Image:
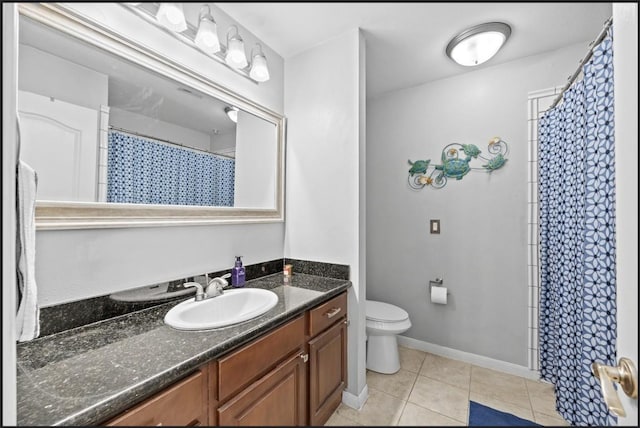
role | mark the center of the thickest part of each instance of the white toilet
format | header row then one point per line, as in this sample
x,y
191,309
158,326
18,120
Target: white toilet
x,y
384,322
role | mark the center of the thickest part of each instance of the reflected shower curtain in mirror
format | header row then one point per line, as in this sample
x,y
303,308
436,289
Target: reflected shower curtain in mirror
x,y
577,241
143,171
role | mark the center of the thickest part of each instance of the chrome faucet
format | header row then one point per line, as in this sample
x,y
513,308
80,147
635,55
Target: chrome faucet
x,y
200,293
217,285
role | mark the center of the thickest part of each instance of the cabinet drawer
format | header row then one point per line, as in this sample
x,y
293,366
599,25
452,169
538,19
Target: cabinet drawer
x,y
241,367
182,404
326,314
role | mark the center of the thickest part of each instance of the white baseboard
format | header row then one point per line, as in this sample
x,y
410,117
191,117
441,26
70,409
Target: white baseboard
x,y
356,401
467,357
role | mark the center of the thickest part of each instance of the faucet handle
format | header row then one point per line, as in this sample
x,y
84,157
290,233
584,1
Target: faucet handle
x,y
200,294
217,285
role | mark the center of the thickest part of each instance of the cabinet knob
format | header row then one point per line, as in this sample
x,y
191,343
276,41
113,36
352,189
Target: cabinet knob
x,y
333,312
305,357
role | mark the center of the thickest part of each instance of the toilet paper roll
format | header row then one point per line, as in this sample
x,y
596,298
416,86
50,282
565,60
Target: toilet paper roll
x,y
439,295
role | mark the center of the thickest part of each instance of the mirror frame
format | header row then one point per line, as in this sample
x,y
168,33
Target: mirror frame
x,y
94,215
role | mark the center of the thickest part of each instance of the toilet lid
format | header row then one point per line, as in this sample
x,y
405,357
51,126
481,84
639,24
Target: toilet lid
x,y
381,311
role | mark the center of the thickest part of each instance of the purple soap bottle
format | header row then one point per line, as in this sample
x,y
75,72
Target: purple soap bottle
x,y
237,273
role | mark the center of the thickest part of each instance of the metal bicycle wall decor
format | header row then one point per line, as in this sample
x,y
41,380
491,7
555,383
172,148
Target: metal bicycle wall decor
x,y
454,166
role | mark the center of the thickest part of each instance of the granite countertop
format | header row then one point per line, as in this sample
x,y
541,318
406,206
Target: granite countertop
x,y
89,374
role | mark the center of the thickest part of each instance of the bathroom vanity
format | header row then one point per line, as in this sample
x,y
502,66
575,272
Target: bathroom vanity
x,y
286,367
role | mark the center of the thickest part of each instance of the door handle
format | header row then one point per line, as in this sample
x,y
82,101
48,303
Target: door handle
x,y
625,374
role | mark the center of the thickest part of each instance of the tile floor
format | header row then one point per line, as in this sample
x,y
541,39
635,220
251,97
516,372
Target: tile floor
x,y
433,390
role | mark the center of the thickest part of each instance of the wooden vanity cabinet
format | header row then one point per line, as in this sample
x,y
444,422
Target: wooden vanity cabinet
x,y
327,358
293,375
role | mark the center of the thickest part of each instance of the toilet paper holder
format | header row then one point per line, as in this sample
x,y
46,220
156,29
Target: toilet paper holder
x,y
436,283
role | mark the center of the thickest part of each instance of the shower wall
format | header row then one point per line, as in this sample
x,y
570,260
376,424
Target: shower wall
x,y
481,251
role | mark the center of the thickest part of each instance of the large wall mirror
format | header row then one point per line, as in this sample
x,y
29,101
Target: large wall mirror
x,y
122,136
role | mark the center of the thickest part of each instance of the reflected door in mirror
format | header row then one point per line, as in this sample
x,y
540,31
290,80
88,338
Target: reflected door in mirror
x,y
59,141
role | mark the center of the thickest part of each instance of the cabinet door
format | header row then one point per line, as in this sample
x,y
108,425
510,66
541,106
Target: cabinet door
x,y
278,398
182,404
327,372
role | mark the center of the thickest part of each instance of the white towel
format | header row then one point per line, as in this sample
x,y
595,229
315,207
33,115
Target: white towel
x,y
28,317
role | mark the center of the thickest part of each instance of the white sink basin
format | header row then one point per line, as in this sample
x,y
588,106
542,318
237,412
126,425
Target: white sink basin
x,y
232,307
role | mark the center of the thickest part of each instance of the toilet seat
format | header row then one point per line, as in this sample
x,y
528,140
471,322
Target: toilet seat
x,y
384,312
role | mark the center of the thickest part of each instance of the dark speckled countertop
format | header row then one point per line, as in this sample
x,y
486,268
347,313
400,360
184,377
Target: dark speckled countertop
x,y
89,374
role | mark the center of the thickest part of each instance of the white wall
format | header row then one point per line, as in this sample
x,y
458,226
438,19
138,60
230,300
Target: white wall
x,y
625,69
324,95
156,128
52,76
76,264
481,251
256,162
224,144
9,156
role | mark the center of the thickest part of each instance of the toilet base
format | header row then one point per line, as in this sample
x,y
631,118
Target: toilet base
x,y
382,354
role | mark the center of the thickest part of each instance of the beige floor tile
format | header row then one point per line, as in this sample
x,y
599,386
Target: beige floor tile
x,y
503,406
550,421
544,403
414,415
411,359
441,397
542,397
337,420
379,409
398,384
500,386
453,372
538,387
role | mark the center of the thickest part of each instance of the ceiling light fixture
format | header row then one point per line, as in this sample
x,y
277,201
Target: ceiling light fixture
x,y
235,57
232,112
207,35
171,16
259,70
478,44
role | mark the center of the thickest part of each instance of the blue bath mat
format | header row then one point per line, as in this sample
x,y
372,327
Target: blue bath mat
x,y
483,416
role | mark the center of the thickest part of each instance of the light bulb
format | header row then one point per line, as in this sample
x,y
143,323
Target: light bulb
x,y
235,57
207,36
171,16
259,70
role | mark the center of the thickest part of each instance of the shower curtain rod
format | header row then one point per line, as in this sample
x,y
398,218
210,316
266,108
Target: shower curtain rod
x,y
584,60
137,134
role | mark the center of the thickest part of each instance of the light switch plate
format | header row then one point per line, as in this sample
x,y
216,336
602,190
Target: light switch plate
x,y
434,226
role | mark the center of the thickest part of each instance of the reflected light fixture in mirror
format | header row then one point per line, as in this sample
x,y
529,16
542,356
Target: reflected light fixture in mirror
x,y
259,70
235,57
478,44
232,112
171,16
207,35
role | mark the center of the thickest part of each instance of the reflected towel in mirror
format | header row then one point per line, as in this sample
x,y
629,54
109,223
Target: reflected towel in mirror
x,y
28,316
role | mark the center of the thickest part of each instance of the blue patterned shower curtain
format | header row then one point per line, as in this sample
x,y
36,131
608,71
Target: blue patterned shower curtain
x,y
142,171
577,241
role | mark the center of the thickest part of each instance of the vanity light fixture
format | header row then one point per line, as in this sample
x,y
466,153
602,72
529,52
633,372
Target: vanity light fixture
x,y
207,35
235,57
171,15
232,112
259,70
204,37
478,44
